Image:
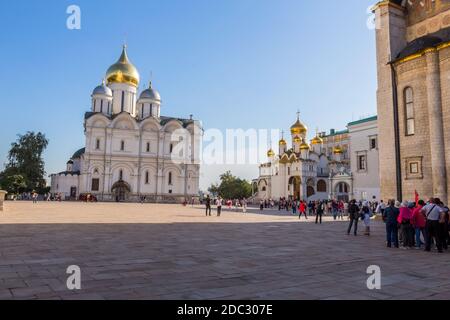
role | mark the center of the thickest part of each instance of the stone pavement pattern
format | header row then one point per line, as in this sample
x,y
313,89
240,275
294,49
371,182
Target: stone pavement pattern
x,y
132,251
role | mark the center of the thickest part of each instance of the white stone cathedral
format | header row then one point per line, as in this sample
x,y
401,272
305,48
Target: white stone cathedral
x,y
131,151
318,170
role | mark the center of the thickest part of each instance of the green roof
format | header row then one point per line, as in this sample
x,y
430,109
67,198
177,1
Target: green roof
x,y
374,118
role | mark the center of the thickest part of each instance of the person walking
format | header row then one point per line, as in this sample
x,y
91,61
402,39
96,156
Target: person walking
x,y
418,222
244,205
219,206
390,217
302,210
208,205
320,208
433,213
353,214
261,205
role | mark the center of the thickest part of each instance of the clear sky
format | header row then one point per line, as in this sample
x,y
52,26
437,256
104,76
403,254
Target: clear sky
x,y
231,63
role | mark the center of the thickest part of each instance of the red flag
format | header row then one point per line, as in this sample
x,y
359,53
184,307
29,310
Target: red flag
x,y
416,197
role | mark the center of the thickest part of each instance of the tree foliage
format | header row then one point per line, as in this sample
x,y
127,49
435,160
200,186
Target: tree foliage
x,y
231,187
25,168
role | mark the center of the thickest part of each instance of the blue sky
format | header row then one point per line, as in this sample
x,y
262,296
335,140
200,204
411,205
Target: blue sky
x,y
231,63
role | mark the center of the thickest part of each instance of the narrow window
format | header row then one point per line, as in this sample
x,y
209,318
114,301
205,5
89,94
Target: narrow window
x,y
148,147
171,148
362,165
123,101
120,175
146,177
170,178
151,110
97,144
373,143
101,105
142,110
95,184
409,111
122,145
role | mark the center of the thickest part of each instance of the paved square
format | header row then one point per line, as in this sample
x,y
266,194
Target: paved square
x,y
133,251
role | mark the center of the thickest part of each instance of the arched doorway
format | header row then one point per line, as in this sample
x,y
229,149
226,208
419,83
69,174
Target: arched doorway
x,y
341,191
295,186
321,186
120,190
310,191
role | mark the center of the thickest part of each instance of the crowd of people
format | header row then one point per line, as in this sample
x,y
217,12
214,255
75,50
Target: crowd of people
x,y
408,223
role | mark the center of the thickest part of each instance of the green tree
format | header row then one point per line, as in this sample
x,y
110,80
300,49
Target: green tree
x,y
25,159
231,187
12,183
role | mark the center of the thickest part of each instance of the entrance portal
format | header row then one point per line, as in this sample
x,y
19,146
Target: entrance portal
x,y
120,190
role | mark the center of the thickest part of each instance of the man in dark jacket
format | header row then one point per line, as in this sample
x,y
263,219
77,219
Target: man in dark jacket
x,y
208,205
353,213
390,216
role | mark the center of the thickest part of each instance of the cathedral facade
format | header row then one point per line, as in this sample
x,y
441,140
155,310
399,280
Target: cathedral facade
x,y
413,64
132,151
317,170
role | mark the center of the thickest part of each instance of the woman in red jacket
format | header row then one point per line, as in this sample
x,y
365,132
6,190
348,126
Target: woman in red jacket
x,y
302,210
418,221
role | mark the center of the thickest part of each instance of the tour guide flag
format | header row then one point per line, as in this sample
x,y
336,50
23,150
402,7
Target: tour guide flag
x,y
416,197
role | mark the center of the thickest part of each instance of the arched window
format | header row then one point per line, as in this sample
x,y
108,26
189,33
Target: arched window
x,y
321,186
171,148
121,174
148,147
97,144
409,111
146,177
170,178
122,145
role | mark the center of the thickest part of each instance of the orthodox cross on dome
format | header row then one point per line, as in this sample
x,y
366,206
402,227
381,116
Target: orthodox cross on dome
x,y
282,134
298,114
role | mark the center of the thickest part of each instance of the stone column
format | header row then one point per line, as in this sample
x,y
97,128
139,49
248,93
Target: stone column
x,y
436,125
2,198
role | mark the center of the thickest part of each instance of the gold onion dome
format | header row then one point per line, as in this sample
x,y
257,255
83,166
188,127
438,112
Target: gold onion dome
x,y
282,142
304,146
270,153
316,140
297,140
123,71
338,150
298,128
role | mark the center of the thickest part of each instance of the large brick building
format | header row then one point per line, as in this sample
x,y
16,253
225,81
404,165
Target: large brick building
x,y
413,61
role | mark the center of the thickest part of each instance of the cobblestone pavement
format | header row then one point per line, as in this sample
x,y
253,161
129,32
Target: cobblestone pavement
x,y
132,251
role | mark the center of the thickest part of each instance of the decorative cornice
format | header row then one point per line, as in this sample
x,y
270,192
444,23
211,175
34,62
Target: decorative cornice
x,y
387,3
422,52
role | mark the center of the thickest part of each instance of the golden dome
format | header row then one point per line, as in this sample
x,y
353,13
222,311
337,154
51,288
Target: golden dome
x,y
338,150
282,142
123,71
304,146
316,140
270,153
298,128
297,140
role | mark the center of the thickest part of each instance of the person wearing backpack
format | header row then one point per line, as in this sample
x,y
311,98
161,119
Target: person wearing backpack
x,y
433,213
319,211
353,214
390,216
